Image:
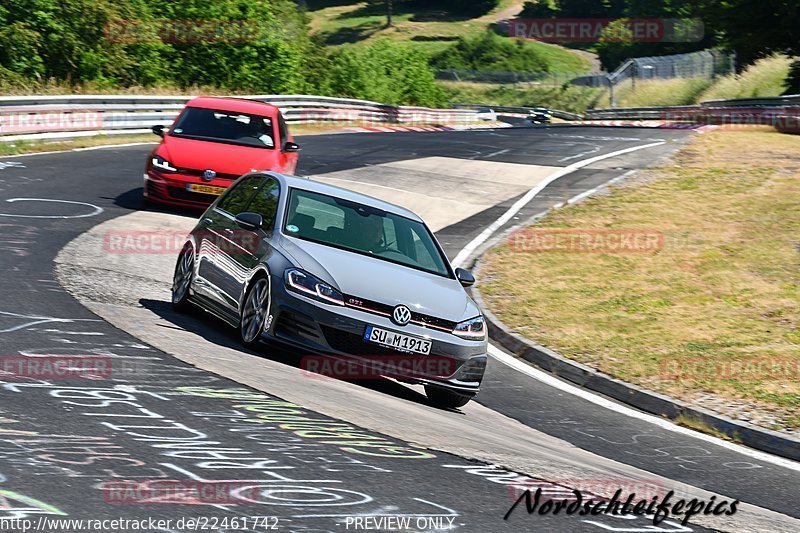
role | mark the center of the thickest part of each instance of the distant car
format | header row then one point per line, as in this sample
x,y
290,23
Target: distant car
x,y
485,113
537,116
213,142
338,275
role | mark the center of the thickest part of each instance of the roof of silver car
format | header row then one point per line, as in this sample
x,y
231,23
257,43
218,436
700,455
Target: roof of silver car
x,y
309,184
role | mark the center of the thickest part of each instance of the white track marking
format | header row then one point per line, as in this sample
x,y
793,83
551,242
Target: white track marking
x,y
468,250
581,196
493,154
549,379
95,209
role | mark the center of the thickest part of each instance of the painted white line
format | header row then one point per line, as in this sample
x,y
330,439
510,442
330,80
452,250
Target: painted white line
x,y
499,152
581,196
548,379
576,156
468,250
95,209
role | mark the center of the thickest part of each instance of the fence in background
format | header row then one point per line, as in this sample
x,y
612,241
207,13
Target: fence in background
x,y
64,116
706,64
545,79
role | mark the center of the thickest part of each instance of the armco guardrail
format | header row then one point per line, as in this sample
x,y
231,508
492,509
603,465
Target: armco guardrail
x,y
62,116
521,111
773,101
781,112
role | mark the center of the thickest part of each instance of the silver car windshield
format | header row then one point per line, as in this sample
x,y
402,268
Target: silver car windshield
x,y
364,230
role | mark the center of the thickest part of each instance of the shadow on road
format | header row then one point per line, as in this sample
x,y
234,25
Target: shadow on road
x,y
217,332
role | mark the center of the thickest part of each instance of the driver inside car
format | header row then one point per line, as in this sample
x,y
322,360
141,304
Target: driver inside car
x,y
371,229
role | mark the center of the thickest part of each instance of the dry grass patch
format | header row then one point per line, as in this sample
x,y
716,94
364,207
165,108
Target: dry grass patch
x,y
724,288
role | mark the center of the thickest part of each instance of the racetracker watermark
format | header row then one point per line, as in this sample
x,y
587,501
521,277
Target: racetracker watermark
x,y
533,240
55,367
57,121
194,31
783,118
745,369
590,30
181,492
375,367
234,242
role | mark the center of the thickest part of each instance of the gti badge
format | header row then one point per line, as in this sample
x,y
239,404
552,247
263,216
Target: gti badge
x,y
209,175
401,315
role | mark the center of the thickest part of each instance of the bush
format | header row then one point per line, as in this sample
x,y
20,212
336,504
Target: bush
x,y
793,80
66,40
490,51
386,72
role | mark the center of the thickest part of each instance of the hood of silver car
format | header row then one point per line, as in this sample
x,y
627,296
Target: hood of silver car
x,y
382,281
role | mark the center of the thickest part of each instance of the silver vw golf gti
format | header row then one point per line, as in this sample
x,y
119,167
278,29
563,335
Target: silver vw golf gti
x,y
348,280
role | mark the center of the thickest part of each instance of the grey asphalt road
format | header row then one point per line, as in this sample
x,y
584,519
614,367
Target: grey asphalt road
x,y
163,419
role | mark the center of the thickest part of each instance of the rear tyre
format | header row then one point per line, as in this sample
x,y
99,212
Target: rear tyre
x,y
254,312
446,398
182,280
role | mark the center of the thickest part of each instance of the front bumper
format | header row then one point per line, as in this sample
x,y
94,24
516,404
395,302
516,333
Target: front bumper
x,y
170,189
322,330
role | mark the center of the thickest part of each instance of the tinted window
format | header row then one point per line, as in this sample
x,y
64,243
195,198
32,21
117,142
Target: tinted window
x,y
239,195
363,229
265,202
225,126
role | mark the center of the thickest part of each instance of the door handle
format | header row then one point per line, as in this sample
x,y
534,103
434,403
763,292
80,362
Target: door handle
x,y
207,221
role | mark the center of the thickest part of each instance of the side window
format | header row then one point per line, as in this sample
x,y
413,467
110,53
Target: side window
x,y
239,195
266,202
283,130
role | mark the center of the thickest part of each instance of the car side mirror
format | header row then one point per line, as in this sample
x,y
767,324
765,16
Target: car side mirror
x,y
291,147
465,277
158,130
249,221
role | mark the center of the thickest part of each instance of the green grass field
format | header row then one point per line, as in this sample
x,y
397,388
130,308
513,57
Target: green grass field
x,y
338,23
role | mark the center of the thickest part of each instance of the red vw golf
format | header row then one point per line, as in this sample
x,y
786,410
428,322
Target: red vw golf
x,y
213,142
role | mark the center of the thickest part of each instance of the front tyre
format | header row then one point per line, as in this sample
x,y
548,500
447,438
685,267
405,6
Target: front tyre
x,y
254,312
446,398
182,280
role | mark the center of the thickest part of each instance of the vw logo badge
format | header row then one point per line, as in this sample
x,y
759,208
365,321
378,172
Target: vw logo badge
x,y
209,175
401,315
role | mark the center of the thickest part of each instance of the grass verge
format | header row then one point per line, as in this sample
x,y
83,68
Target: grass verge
x,y
705,317
766,77
566,98
31,147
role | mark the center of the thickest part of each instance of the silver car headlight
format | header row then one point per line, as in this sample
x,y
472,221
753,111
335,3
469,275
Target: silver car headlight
x,y
473,329
308,285
162,164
